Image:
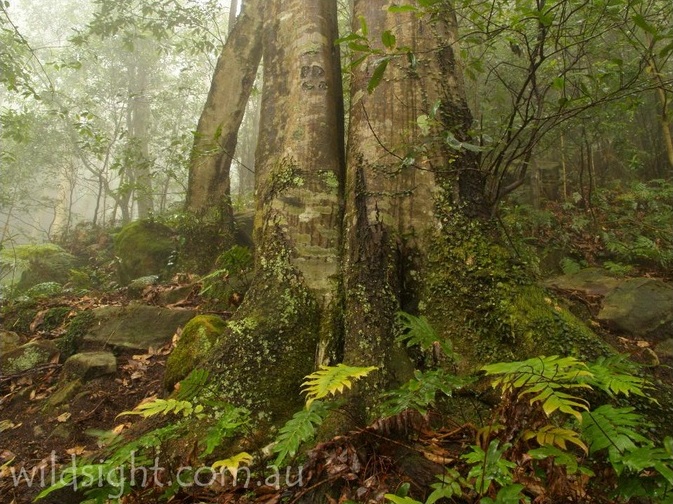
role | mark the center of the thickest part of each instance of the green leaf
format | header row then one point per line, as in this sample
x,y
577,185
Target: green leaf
x,y
330,380
164,407
398,9
299,429
614,429
377,75
233,463
389,40
396,499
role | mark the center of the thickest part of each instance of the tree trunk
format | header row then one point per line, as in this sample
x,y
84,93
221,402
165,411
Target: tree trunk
x,y
138,126
215,139
272,342
397,170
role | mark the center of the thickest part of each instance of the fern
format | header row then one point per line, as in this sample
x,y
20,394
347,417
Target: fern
x,y
550,435
299,429
615,375
489,466
164,407
449,485
232,464
545,378
561,458
418,331
614,429
329,380
192,385
421,391
229,423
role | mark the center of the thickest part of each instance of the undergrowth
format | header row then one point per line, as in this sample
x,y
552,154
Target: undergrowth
x,y
561,432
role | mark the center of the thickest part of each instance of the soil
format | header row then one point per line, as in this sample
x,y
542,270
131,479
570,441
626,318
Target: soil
x,y
35,437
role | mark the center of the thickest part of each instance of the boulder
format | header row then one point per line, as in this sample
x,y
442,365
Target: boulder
x,y
9,341
28,356
144,249
43,264
641,307
135,326
89,365
197,339
589,281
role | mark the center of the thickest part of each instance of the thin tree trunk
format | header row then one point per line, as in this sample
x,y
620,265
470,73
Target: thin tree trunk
x,y
217,132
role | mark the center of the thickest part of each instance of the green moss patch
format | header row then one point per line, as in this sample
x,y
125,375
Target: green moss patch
x,y
144,248
196,342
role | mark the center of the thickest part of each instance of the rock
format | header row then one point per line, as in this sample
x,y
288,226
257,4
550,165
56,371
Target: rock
x,y
590,281
9,341
64,393
196,341
43,264
44,290
174,294
28,356
89,365
642,307
144,248
135,326
138,285
665,349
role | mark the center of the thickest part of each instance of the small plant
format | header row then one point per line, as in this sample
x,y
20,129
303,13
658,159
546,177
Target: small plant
x,y
301,428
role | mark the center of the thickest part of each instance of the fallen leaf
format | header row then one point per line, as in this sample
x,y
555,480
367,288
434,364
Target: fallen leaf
x,y
76,450
8,425
64,417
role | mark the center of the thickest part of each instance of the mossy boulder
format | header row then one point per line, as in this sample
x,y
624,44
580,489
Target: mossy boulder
x,y
38,264
135,326
28,356
89,365
9,341
196,341
144,248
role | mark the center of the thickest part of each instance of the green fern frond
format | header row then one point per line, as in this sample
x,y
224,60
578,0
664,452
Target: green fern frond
x,y
421,391
616,375
190,386
418,331
550,435
329,380
230,422
232,464
614,429
299,429
164,407
546,378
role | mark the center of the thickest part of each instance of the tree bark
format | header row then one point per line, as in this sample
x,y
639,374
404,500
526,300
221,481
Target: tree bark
x,y
397,172
215,139
272,344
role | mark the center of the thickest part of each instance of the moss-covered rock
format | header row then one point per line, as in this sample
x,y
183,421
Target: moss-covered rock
x,y
39,264
77,328
144,248
28,356
196,342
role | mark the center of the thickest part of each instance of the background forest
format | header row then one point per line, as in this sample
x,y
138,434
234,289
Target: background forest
x,y
429,258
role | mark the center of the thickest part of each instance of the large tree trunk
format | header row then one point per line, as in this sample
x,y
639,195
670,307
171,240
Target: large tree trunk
x,y
272,343
397,172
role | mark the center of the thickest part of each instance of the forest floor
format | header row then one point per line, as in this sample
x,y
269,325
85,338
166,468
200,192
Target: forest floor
x,y
34,440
